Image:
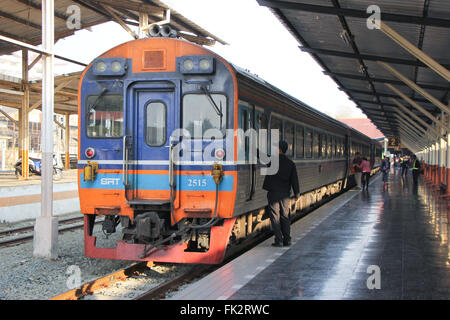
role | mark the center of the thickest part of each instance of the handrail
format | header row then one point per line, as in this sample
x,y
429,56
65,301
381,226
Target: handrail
x,y
125,161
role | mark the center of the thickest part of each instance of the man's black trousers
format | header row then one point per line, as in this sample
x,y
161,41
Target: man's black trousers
x,y
279,218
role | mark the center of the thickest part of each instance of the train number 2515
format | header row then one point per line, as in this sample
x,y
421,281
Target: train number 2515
x,y
196,182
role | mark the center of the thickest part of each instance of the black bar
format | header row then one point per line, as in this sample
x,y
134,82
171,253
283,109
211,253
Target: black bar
x,y
396,82
365,57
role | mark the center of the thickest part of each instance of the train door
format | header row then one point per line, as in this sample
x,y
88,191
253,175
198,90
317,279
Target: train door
x,y
148,167
247,122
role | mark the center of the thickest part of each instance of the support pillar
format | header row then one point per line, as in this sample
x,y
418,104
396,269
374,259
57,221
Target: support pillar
x,y
23,120
436,164
428,175
442,155
67,166
45,243
447,169
432,154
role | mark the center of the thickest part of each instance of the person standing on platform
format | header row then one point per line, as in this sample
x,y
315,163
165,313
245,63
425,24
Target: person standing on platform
x,y
279,188
415,169
385,168
405,166
358,172
365,168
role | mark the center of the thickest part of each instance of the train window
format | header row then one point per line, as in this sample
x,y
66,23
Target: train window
x,y
323,145
155,135
299,140
263,124
289,137
330,146
104,116
316,145
277,124
335,146
308,143
205,111
274,125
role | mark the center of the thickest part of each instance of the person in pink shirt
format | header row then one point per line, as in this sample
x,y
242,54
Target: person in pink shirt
x,y
365,168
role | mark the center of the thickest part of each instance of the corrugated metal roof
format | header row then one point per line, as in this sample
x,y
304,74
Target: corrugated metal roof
x,y
352,61
21,19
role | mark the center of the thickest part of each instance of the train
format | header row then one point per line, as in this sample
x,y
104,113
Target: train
x,y
167,133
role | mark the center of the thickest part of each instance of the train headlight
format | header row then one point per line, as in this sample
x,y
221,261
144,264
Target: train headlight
x,y
188,65
220,154
109,67
116,66
196,64
100,67
89,153
204,64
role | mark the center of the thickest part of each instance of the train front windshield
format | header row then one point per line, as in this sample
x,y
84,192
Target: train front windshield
x,y
198,109
104,116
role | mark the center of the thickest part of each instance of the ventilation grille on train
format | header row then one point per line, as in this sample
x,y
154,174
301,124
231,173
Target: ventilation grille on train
x,y
154,59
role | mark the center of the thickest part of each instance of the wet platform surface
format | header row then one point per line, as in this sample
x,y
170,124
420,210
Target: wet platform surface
x,y
401,231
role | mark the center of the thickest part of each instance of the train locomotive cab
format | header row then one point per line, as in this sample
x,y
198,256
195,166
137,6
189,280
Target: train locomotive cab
x,y
154,151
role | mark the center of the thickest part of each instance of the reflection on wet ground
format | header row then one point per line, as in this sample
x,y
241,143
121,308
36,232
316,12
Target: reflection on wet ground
x,y
386,243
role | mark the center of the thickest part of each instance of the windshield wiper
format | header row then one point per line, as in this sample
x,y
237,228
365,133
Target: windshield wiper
x,y
213,103
92,106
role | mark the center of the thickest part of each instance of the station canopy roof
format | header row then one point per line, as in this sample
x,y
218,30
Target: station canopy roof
x,y
22,20
336,34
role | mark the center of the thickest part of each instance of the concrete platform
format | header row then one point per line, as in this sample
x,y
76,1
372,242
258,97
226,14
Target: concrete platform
x,y
9,179
20,200
376,244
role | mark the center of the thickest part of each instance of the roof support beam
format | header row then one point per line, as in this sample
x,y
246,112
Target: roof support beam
x,y
386,95
414,139
33,48
382,80
368,57
415,117
416,52
57,89
413,149
19,20
354,13
415,87
411,123
415,105
411,128
35,61
355,49
119,21
9,117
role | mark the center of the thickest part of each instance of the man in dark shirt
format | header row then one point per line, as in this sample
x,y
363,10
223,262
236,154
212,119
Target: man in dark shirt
x,y
279,192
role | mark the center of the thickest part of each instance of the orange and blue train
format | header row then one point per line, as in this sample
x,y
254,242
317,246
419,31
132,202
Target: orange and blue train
x,y
131,101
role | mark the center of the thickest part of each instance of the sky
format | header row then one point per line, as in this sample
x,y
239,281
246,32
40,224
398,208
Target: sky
x,y
257,42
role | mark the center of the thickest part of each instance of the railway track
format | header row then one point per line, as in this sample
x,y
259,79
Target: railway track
x,y
161,290
9,237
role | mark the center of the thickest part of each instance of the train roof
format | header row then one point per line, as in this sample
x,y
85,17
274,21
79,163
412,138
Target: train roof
x,y
255,78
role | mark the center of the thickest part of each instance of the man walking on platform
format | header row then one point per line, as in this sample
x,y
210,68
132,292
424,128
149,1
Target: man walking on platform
x,y
279,188
404,166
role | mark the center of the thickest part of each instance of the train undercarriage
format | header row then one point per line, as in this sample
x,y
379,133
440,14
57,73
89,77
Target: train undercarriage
x,y
151,237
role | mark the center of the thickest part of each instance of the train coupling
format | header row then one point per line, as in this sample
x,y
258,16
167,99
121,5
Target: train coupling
x,y
217,172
